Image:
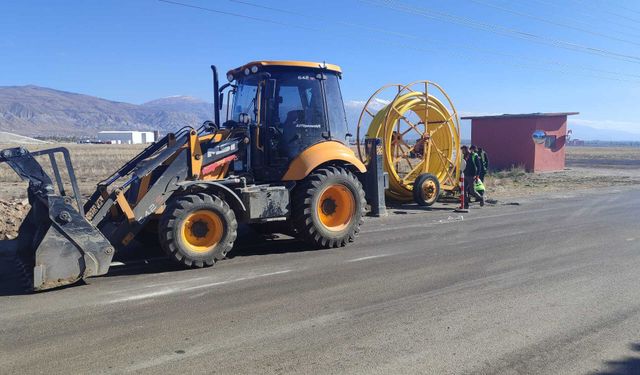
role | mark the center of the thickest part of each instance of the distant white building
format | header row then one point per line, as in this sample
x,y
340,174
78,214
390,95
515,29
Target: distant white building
x,y
130,137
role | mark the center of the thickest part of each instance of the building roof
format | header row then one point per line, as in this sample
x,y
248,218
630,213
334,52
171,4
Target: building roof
x,y
298,64
521,115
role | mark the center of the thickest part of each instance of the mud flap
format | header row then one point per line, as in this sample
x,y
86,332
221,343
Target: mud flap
x,y
55,241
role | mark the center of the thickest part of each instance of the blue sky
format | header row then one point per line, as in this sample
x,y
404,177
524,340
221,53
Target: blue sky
x,y
136,51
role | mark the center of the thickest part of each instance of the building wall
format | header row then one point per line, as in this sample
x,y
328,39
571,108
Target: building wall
x,y
507,141
118,138
551,159
133,137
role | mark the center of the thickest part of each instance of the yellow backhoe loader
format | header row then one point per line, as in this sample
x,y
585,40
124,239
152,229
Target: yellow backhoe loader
x,y
281,157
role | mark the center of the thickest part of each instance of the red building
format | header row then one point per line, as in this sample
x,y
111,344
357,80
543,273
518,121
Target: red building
x,y
508,139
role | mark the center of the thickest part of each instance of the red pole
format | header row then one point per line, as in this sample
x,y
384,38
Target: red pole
x,y
462,191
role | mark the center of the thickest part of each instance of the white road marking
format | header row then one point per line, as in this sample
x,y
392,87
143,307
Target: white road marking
x,y
137,262
136,297
166,291
233,280
630,239
367,258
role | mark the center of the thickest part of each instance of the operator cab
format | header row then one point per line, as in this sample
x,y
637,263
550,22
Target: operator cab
x,y
287,106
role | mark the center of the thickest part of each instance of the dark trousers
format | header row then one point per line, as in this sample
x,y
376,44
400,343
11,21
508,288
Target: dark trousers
x,y
470,191
482,173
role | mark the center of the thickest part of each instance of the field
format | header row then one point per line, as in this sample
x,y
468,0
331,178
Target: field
x,y
587,167
92,163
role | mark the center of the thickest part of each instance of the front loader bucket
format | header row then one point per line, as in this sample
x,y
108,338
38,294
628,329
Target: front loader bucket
x,y
57,245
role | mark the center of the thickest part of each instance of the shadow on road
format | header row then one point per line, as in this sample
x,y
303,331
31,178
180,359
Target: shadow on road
x,y
150,259
401,209
146,258
625,366
265,245
12,279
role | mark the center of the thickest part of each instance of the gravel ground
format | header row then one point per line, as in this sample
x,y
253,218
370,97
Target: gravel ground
x,y
11,215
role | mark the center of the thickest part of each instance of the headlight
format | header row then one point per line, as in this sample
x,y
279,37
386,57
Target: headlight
x,y
254,69
229,77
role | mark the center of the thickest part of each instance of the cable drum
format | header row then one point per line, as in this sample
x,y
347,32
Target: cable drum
x,y
420,132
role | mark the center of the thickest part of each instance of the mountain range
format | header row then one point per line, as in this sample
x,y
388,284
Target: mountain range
x,y
40,111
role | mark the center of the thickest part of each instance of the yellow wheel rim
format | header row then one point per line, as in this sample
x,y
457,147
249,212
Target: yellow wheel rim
x,y
336,207
429,190
202,230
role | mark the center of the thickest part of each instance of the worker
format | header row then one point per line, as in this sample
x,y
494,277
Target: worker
x,y
484,159
471,174
480,167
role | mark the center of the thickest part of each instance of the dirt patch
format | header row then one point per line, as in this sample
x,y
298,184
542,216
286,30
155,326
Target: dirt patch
x,y
12,212
512,184
587,168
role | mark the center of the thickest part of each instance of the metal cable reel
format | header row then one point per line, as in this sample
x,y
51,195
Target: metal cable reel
x,y
420,132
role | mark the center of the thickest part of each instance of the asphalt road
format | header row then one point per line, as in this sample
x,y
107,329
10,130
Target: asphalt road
x,y
551,286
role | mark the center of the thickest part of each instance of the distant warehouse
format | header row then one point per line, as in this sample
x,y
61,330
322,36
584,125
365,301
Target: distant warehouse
x,y
126,137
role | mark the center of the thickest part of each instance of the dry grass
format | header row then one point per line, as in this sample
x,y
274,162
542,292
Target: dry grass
x,y
619,153
92,163
587,167
604,157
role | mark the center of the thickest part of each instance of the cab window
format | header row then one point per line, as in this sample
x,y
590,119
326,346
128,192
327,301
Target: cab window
x,y
335,108
244,102
299,114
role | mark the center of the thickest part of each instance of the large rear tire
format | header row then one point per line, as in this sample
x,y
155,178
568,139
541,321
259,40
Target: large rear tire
x,y
328,208
198,229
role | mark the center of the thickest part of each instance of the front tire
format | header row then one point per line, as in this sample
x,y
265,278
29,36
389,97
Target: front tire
x,y
198,229
328,208
426,189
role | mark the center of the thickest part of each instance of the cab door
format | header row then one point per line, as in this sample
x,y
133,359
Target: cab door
x,y
296,118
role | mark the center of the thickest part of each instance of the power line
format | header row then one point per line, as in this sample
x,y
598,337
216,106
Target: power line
x,y
628,9
607,11
551,22
341,23
553,64
234,14
413,36
597,17
497,29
